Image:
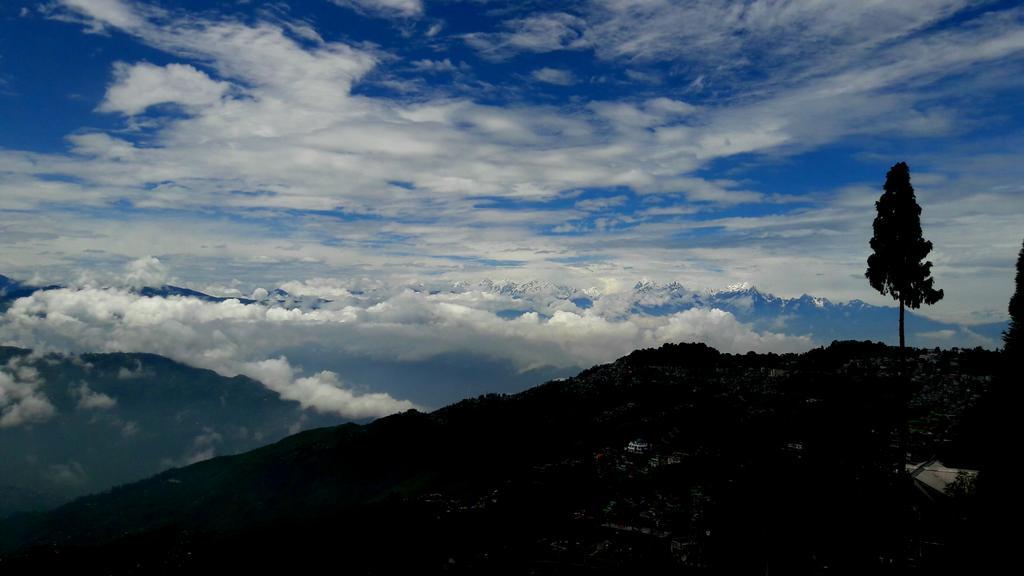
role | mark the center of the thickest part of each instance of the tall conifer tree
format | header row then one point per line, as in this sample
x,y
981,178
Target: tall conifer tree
x,y
897,265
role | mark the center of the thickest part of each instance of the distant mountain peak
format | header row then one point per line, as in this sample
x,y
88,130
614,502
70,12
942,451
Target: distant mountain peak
x,y
644,285
817,301
519,289
169,290
740,287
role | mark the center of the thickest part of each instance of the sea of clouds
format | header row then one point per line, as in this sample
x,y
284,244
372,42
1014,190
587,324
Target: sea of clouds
x,y
527,327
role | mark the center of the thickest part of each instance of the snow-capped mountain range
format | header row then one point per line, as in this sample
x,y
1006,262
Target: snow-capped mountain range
x,y
819,318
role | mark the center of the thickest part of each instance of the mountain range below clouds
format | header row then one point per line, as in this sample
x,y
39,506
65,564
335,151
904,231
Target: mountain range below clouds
x,y
825,320
819,319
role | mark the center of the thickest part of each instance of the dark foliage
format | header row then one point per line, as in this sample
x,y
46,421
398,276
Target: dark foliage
x,y
1012,336
998,485
897,265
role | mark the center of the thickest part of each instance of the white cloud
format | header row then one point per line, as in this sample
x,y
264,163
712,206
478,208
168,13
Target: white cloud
x,y
938,335
544,32
129,429
322,391
21,400
125,373
404,8
136,87
427,65
599,204
100,14
720,330
89,399
204,447
724,34
555,76
261,56
145,271
71,473
326,288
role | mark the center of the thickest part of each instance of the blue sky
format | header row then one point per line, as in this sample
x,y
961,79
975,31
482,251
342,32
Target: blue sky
x,y
590,143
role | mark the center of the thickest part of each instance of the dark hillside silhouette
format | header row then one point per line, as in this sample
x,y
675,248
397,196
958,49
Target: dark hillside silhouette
x,y
679,459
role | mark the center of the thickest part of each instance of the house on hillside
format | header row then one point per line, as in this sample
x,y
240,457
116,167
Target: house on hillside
x,y
940,499
933,478
638,446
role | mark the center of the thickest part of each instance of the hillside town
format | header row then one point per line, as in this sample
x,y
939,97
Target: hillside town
x,y
645,503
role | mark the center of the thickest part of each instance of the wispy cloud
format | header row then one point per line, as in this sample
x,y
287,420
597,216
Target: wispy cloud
x,y
544,32
393,8
89,399
555,76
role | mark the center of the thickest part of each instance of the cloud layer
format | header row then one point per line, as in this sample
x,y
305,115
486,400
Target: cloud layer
x,y
397,324
219,336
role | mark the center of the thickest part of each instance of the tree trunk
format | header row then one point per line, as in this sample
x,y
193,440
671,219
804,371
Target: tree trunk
x,y
901,327
904,400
